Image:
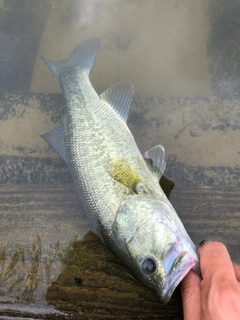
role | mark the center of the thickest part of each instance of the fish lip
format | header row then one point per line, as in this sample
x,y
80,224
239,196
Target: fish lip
x,y
183,264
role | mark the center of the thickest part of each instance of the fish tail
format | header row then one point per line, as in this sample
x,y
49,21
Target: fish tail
x,y
83,56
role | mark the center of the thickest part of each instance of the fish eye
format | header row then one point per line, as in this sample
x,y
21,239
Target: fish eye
x,y
149,266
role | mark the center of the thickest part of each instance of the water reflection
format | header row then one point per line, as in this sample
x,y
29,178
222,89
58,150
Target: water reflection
x,y
24,274
24,278
37,225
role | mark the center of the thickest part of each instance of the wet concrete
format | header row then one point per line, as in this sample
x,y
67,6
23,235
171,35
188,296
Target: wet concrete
x,y
172,53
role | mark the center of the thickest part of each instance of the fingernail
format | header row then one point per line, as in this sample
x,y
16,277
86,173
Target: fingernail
x,y
209,239
201,243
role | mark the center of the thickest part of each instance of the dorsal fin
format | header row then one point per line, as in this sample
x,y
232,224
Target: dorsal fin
x,y
83,56
155,160
119,97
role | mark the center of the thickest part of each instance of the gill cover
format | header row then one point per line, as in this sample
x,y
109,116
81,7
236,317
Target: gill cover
x,y
142,235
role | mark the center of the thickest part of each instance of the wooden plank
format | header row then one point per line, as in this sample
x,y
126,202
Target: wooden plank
x,y
212,213
46,256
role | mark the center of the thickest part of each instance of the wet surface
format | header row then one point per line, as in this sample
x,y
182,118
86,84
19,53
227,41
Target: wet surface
x,y
51,268
183,59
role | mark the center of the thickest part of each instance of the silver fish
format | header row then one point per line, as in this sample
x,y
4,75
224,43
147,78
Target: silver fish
x,y
118,187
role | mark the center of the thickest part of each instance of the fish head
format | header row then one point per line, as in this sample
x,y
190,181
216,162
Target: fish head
x,y
154,244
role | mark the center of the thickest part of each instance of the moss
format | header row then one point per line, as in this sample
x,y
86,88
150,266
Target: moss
x,y
104,285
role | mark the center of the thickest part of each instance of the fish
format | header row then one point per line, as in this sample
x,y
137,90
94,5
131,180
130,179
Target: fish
x,y
118,187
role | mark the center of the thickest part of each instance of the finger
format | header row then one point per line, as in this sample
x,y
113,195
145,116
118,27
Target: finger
x,y
191,296
220,291
237,271
216,262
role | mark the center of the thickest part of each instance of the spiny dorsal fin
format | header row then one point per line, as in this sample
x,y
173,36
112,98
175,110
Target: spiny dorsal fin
x,y
83,56
119,97
55,138
155,160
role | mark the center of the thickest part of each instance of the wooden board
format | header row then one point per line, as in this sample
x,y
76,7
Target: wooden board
x,y
46,256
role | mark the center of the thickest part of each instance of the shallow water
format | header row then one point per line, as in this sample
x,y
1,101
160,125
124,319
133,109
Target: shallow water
x,y
183,59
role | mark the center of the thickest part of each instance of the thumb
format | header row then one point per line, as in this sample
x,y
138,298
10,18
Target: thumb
x,y
191,296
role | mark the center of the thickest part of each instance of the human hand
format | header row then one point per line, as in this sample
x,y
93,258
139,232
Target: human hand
x,y
217,295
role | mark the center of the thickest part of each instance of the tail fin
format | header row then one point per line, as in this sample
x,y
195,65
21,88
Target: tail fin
x,y
83,55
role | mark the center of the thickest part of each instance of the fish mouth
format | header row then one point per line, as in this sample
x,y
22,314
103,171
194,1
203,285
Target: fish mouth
x,y
179,269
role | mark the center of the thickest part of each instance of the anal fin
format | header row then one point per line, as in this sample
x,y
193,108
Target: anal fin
x,y
55,138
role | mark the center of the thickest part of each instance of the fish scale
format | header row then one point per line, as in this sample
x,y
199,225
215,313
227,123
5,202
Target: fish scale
x,y
119,189
85,123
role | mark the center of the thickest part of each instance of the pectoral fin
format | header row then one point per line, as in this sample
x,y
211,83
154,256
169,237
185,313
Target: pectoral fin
x,y
122,172
155,160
